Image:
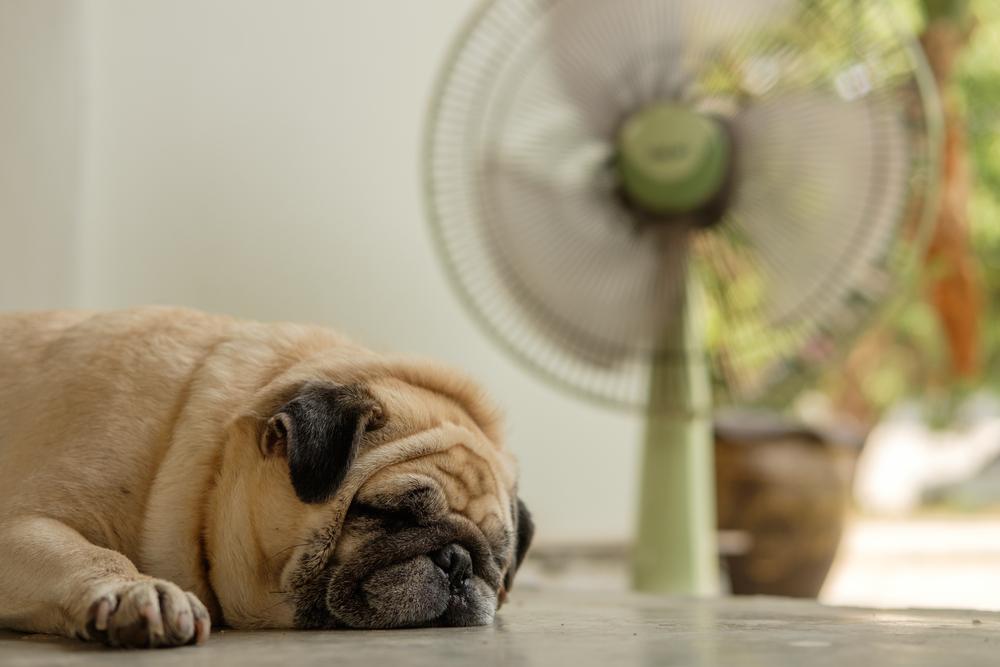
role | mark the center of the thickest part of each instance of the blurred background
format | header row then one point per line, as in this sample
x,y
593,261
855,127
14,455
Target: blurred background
x,y
262,159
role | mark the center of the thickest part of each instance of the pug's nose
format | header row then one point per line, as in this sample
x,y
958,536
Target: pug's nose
x,y
456,562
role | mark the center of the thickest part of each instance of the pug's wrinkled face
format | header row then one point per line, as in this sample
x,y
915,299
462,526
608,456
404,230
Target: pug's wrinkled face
x,y
408,560
431,540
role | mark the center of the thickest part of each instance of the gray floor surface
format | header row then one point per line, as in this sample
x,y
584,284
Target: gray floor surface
x,y
590,629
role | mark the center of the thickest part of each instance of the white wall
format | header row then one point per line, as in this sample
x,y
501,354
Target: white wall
x,y
261,158
41,100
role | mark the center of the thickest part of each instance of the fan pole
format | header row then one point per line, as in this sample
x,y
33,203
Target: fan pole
x,y
676,548
673,161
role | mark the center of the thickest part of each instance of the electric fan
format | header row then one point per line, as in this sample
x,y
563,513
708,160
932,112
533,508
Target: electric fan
x,y
658,202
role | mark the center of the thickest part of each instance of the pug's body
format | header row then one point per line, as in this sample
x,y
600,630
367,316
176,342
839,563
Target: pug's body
x,y
162,470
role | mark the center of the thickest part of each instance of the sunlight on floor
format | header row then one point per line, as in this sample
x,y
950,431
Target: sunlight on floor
x,y
943,562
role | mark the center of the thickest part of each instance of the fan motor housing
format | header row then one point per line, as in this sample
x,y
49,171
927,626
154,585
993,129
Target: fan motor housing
x,y
675,163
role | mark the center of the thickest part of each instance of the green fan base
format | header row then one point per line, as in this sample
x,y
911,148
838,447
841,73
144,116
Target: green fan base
x,y
676,549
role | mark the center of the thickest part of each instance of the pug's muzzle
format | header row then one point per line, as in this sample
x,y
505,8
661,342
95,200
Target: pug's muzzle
x,y
441,574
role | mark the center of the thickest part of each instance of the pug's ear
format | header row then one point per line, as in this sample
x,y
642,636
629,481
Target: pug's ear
x,y
525,530
319,432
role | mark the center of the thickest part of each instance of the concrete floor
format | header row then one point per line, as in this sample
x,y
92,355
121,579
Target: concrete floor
x,y
583,629
928,562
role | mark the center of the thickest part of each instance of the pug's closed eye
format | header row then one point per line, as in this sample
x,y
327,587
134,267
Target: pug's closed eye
x,y
392,520
416,507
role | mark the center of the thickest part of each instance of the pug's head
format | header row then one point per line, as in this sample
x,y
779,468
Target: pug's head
x,y
390,502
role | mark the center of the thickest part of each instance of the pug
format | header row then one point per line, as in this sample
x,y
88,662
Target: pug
x,y
163,471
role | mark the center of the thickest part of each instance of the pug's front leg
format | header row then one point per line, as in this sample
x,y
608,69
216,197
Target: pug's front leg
x,y
53,580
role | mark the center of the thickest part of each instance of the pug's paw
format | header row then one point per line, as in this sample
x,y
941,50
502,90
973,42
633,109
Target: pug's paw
x,y
149,613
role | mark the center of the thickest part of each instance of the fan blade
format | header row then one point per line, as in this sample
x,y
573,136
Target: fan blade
x,y
592,279
611,58
822,186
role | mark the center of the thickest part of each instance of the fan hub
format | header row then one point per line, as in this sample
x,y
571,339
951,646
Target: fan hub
x,y
673,161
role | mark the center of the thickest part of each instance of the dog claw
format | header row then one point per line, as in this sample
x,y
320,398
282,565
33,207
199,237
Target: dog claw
x,y
203,629
154,621
104,609
202,621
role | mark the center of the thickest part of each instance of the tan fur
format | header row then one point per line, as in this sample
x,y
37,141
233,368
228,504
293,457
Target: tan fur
x,y
128,451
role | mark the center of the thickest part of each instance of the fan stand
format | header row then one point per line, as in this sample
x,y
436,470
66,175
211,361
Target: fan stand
x,y
674,163
676,546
